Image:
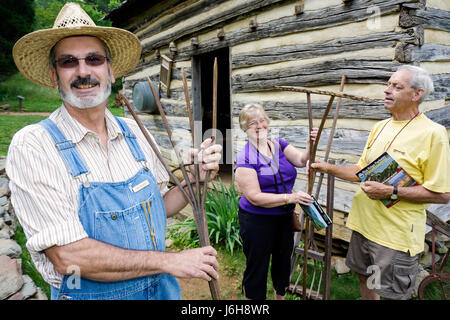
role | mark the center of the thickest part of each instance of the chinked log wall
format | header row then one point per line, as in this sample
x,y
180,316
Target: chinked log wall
x,y
303,43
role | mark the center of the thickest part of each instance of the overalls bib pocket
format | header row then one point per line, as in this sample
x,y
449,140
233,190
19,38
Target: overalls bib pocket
x,y
124,229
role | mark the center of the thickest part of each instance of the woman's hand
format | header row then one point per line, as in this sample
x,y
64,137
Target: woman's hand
x,y
300,197
313,134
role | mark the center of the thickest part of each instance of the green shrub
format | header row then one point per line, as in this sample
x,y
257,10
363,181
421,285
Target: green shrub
x,y
223,223
222,212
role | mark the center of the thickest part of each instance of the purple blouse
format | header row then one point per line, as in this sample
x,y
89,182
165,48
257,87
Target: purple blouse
x,y
265,169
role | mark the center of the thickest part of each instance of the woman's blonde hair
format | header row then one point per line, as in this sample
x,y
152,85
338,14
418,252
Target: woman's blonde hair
x,y
249,111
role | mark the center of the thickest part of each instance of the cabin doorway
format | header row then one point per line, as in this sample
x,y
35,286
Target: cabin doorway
x,y
202,78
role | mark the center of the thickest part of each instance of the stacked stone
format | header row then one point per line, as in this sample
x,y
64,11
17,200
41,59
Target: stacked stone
x,y
13,284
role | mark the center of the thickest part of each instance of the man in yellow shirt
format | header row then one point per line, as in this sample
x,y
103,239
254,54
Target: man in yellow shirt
x,y
386,242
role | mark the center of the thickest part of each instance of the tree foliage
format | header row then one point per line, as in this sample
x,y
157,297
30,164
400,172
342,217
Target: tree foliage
x,y
47,10
17,20
20,17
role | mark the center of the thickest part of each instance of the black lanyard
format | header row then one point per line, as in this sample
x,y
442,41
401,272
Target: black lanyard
x,y
273,171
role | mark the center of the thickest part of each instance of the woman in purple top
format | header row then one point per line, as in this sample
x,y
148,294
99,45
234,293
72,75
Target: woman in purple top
x,y
265,173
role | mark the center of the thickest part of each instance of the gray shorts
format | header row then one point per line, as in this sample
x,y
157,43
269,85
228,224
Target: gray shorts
x,y
392,274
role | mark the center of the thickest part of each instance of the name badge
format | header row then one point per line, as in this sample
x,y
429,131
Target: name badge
x,y
141,186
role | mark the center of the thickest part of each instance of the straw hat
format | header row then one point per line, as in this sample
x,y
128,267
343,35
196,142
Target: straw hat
x,y
31,52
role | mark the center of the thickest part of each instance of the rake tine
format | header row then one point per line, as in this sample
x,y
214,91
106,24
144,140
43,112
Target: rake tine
x,y
320,280
213,284
312,281
188,103
310,184
154,147
214,126
201,227
330,138
191,123
299,276
169,133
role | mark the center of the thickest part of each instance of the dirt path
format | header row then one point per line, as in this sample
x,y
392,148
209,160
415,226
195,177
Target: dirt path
x,y
197,289
12,113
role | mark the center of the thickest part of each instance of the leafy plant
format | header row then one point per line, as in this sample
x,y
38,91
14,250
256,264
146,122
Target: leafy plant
x,y
223,223
222,213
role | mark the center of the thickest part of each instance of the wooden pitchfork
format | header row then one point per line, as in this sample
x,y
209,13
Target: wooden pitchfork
x,y
195,199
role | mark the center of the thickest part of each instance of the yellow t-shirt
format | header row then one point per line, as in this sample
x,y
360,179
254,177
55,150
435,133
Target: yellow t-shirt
x,y
422,149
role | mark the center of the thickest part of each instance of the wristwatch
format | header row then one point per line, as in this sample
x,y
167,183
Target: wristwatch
x,y
394,195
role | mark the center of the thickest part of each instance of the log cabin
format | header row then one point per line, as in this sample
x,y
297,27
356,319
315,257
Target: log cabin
x,y
260,44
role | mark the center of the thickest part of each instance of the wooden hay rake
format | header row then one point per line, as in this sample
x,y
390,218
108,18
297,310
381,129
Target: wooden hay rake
x,y
300,255
196,198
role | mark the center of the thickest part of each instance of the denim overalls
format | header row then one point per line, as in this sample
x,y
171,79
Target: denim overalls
x,y
128,214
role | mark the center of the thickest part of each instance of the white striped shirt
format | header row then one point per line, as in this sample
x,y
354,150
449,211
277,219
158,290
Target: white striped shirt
x,y
44,194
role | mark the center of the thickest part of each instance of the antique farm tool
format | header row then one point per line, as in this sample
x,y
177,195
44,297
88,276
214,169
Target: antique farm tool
x,y
197,198
193,197
439,277
200,213
322,259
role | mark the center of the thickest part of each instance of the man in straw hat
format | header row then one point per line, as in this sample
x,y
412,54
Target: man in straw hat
x,y
387,239
91,196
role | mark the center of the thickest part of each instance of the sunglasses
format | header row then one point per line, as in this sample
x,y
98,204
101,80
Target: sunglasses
x,y
93,60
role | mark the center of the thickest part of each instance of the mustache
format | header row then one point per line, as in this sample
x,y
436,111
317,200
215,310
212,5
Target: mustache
x,y
84,81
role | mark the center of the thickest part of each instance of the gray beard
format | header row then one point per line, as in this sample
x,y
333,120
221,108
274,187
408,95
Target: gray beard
x,y
85,102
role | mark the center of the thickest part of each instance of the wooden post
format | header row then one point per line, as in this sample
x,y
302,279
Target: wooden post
x,y
310,181
328,237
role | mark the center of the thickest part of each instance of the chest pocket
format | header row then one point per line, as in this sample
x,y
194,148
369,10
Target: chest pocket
x,y
127,228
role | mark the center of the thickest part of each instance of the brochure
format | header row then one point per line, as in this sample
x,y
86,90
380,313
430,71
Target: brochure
x,y
318,216
386,170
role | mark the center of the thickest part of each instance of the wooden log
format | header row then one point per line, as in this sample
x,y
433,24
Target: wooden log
x,y
292,110
347,141
441,87
429,17
317,49
404,52
431,52
177,15
357,70
309,20
441,116
209,22
139,13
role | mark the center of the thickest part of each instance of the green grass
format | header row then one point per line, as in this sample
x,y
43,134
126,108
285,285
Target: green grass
x,y
36,98
10,124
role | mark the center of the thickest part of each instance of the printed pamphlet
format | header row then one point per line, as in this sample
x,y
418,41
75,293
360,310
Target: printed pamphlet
x,y
318,216
386,170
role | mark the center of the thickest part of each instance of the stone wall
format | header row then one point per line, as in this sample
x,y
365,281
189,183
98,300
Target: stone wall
x,y
14,285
